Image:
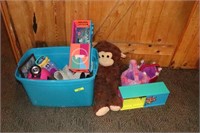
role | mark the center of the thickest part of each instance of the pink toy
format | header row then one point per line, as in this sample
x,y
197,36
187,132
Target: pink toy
x,y
152,70
133,76
37,72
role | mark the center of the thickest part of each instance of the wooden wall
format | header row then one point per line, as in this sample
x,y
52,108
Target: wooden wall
x,y
162,31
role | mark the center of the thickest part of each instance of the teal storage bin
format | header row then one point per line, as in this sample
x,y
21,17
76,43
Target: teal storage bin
x,y
59,93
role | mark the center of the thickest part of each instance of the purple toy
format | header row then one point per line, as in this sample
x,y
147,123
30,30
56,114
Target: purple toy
x,y
152,70
133,76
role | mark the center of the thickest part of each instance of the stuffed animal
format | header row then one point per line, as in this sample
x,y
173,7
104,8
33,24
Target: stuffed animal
x,y
140,74
152,70
107,80
133,75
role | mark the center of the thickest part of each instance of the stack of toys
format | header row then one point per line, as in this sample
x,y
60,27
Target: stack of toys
x,y
80,65
43,68
139,87
40,68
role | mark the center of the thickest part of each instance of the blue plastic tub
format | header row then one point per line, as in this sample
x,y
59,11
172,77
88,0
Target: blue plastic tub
x,y
58,93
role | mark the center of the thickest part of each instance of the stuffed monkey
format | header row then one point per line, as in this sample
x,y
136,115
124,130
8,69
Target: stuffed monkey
x,y
107,80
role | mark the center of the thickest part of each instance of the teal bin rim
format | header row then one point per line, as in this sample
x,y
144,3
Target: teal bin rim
x,y
94,51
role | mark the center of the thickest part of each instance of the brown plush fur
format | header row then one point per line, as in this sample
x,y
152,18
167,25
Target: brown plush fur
x,y
108,79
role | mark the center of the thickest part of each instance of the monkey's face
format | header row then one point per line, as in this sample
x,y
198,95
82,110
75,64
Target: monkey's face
x,y
105,58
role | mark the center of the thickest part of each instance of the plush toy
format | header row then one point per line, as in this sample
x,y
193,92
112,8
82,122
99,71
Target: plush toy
x,y
107,80
133,75
152,70
140,74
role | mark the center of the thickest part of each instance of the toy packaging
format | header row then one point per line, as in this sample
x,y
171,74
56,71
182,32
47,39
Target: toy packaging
x,y
79,57
24,68
80,47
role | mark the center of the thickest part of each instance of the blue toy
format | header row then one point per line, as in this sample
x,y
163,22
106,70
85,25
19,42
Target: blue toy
x,y
143,95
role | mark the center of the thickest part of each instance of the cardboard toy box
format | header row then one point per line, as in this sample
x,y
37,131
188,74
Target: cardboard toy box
x,y
81,44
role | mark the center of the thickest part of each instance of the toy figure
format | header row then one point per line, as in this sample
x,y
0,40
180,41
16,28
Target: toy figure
x,y
108,79
133,76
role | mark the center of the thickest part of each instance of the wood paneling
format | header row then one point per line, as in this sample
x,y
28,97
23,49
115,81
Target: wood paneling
x,y
113,19
22,19
143,29
187,53
99,12
151,53
11,32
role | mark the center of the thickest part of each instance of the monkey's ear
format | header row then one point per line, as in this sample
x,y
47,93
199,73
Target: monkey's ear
x,y
123,55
